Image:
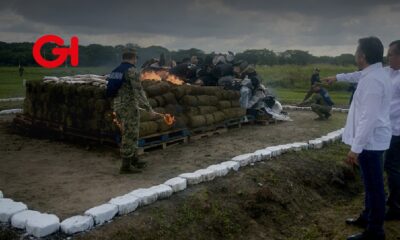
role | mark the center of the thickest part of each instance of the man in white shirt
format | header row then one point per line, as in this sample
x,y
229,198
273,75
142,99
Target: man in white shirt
x,y
392,155
368,132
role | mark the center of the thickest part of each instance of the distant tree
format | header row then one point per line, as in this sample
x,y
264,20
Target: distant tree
x,y
12,54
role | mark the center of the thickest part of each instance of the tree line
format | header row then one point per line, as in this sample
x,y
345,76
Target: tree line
x,y
94,55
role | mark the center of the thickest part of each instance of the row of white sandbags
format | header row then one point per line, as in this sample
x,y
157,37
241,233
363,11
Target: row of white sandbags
x,y
96,80
12,99
144,196
33,222
329,138
128,203
11,111
290,107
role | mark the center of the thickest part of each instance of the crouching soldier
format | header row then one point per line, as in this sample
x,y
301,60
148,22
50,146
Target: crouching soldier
x,y
321,102
125,87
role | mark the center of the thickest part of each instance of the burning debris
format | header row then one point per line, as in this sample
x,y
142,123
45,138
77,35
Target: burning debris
x,y
161,75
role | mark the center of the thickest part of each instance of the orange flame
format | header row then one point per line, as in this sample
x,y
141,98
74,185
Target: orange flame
x,y
116,121
161,75
169,119
174,80
150,75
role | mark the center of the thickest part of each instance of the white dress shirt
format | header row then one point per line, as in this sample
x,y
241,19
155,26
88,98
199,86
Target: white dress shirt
x,y
394,75
368,125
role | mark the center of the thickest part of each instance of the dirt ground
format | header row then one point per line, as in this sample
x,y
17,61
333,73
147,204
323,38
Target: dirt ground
x,y
66,178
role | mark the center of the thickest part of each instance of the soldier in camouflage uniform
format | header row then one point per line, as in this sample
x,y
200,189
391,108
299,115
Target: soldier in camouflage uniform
x,y
129,95
321,102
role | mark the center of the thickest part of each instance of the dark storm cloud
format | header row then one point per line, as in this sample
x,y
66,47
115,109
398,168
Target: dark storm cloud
x,y
210,25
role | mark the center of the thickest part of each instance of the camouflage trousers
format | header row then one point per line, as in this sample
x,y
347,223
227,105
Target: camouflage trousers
x,y
129,120
321,110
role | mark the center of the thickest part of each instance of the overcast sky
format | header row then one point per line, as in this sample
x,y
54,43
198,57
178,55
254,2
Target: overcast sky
x,y
322,27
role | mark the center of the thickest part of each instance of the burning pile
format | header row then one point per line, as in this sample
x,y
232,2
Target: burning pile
x,y
81,103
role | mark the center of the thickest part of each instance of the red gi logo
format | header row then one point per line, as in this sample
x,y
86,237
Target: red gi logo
x,y
61,52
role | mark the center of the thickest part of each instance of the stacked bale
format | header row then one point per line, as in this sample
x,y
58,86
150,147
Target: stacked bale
x,y
81,103
206,106
78,105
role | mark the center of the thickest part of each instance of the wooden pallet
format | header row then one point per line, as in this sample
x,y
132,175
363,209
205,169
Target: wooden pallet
x,y
160,138
234,123
250,120
162,145
38,127
267,121
208,134
207,131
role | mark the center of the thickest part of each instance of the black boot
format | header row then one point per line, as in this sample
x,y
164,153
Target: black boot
x,y
126,167
137,163
367,236
327,115
358,222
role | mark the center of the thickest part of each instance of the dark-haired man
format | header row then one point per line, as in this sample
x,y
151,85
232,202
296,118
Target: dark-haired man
x,y
392,155
125,87
368,132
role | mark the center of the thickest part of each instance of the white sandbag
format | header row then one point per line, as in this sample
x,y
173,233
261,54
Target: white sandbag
x,y
12,99
8,208
192,178
232,165
102,213
206,174
316,143
42,225
275,150
326,140
345,110
146,196
296,147
244,159
77,224
126,203
286,148
219,169
177,184
163,191
51,78
19,220
66,78
263,154
303,145
11,111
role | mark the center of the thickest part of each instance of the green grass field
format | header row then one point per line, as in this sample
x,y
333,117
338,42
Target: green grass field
x,y
288,82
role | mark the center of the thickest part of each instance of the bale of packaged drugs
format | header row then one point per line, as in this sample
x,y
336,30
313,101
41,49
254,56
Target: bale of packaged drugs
x,y
205,100
224,104
181,91
209,119
157,89
191,101
169,98
162,126
80,102
196,121
207,109
219,116
148,128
